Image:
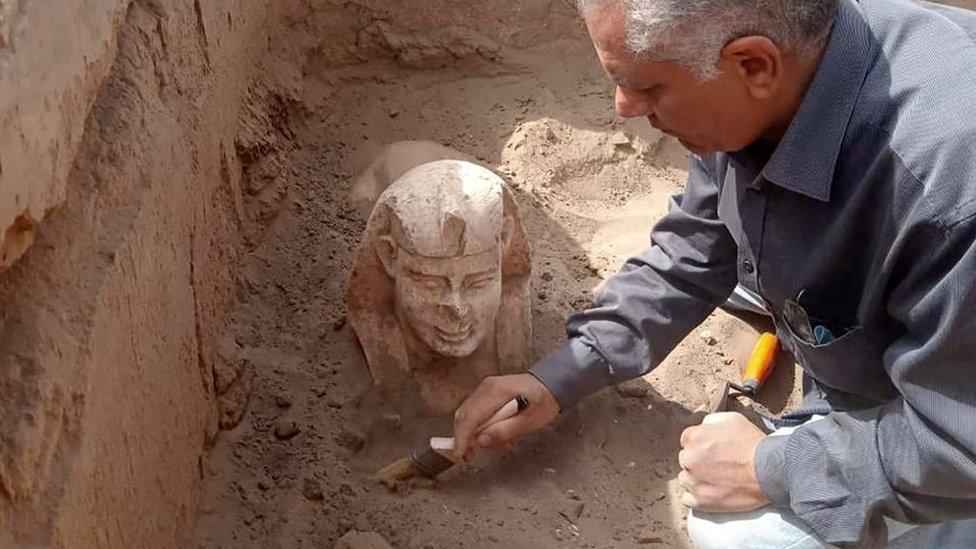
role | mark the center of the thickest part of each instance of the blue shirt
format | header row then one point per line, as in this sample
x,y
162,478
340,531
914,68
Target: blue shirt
x,y
862,221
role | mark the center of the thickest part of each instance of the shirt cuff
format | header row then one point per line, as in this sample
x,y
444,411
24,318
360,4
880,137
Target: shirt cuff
x,y
571,372
770,462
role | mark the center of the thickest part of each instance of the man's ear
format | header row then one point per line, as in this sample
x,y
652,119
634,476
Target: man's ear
x,y
386,249
758,61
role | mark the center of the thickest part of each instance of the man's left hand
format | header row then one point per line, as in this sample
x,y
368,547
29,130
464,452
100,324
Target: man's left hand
x,y
718,468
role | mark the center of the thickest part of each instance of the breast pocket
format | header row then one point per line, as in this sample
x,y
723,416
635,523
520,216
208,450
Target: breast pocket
x,y
851,363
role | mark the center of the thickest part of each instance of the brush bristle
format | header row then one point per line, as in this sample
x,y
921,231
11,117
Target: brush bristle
x,y
401,469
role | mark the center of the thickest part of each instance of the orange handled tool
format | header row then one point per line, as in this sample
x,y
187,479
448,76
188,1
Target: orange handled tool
x,y
761,364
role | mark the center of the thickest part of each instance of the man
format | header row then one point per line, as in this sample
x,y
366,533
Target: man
x,y
835,177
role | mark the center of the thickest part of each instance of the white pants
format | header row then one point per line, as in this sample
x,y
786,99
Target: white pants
x,y
770,528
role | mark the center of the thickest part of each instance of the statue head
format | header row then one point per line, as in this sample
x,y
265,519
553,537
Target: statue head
x,y
443,247
442,272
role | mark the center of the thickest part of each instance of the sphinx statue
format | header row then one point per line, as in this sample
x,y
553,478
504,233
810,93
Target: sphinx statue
x,y
439,293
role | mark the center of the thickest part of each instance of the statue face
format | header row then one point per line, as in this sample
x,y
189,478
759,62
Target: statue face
x,y
449,303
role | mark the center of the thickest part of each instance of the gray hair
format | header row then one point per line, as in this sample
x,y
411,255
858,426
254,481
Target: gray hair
x,y
693,32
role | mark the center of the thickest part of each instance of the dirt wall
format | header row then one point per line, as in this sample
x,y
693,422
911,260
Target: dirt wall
x,y
146,131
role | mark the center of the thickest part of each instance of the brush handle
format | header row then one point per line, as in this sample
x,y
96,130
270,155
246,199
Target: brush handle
x,y
510,409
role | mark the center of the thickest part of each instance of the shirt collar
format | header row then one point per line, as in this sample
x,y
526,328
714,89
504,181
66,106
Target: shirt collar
x,y
805,159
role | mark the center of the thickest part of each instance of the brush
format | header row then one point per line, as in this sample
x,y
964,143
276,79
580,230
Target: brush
x,y
434,456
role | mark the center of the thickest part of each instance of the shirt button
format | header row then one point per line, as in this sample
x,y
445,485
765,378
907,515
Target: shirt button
x,y
749,267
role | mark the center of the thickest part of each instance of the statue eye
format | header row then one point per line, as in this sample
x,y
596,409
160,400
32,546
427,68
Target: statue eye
x,y
480,283
426,281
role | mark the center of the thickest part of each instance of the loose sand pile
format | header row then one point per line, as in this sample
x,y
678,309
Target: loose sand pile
x,y
296,472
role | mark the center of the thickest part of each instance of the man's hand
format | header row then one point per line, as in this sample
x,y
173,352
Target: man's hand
x,y
488,398
718,467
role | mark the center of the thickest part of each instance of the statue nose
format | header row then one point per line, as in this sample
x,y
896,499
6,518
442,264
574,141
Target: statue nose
x,y
455,305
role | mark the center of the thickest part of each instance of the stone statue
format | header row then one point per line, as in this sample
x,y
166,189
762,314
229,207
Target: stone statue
x,y
439,294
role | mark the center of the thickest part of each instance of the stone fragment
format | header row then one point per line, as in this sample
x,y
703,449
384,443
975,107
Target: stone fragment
x,y
350,438
312,490
632,389
362,540
286,429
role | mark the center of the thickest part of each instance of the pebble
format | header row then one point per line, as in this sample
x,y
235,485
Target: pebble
x,y
647,539
393,420
339,323
707,337
282,401
362,540
352,439
312,490
632,390
286,429
578,510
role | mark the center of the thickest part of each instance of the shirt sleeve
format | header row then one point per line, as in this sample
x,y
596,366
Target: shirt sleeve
x,y
913,459
642,312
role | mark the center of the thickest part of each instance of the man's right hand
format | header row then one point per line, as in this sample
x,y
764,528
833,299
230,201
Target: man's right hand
x,y
488,398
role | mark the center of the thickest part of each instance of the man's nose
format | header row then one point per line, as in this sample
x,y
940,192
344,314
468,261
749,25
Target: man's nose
x,y
631,104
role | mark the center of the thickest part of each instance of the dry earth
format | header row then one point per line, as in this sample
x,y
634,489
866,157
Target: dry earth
x,y
297,471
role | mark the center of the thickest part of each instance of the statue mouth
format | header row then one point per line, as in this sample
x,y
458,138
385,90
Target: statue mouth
x,y
454,336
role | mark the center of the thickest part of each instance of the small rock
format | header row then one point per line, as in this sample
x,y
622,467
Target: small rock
x,y
549,471
547,276
312,490
728,361
632,390
286,429
647,539
392,420
571,494
620,139
707,337
362,523
334,403
394,113
282,401
352,439
362,540
339,323
578,509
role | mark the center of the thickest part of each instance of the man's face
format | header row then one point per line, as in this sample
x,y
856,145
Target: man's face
x,y
449,303
706,117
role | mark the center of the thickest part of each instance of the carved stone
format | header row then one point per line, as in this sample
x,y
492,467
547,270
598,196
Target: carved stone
x,y
439,294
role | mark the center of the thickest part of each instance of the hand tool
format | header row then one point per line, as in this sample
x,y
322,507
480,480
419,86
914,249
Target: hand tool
x,y
761,364
435,456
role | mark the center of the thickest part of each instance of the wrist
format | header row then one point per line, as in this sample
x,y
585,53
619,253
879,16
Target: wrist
x,y
769,468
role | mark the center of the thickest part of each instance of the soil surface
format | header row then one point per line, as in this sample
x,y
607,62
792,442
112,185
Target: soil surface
x,y
297,472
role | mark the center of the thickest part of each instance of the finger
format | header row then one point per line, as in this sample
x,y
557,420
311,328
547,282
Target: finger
x,y
720,417
481,405
686,481
688,435
683,460
688,500
504,432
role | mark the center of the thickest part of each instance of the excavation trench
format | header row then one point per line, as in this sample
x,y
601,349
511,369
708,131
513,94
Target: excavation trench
x,y
177,368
